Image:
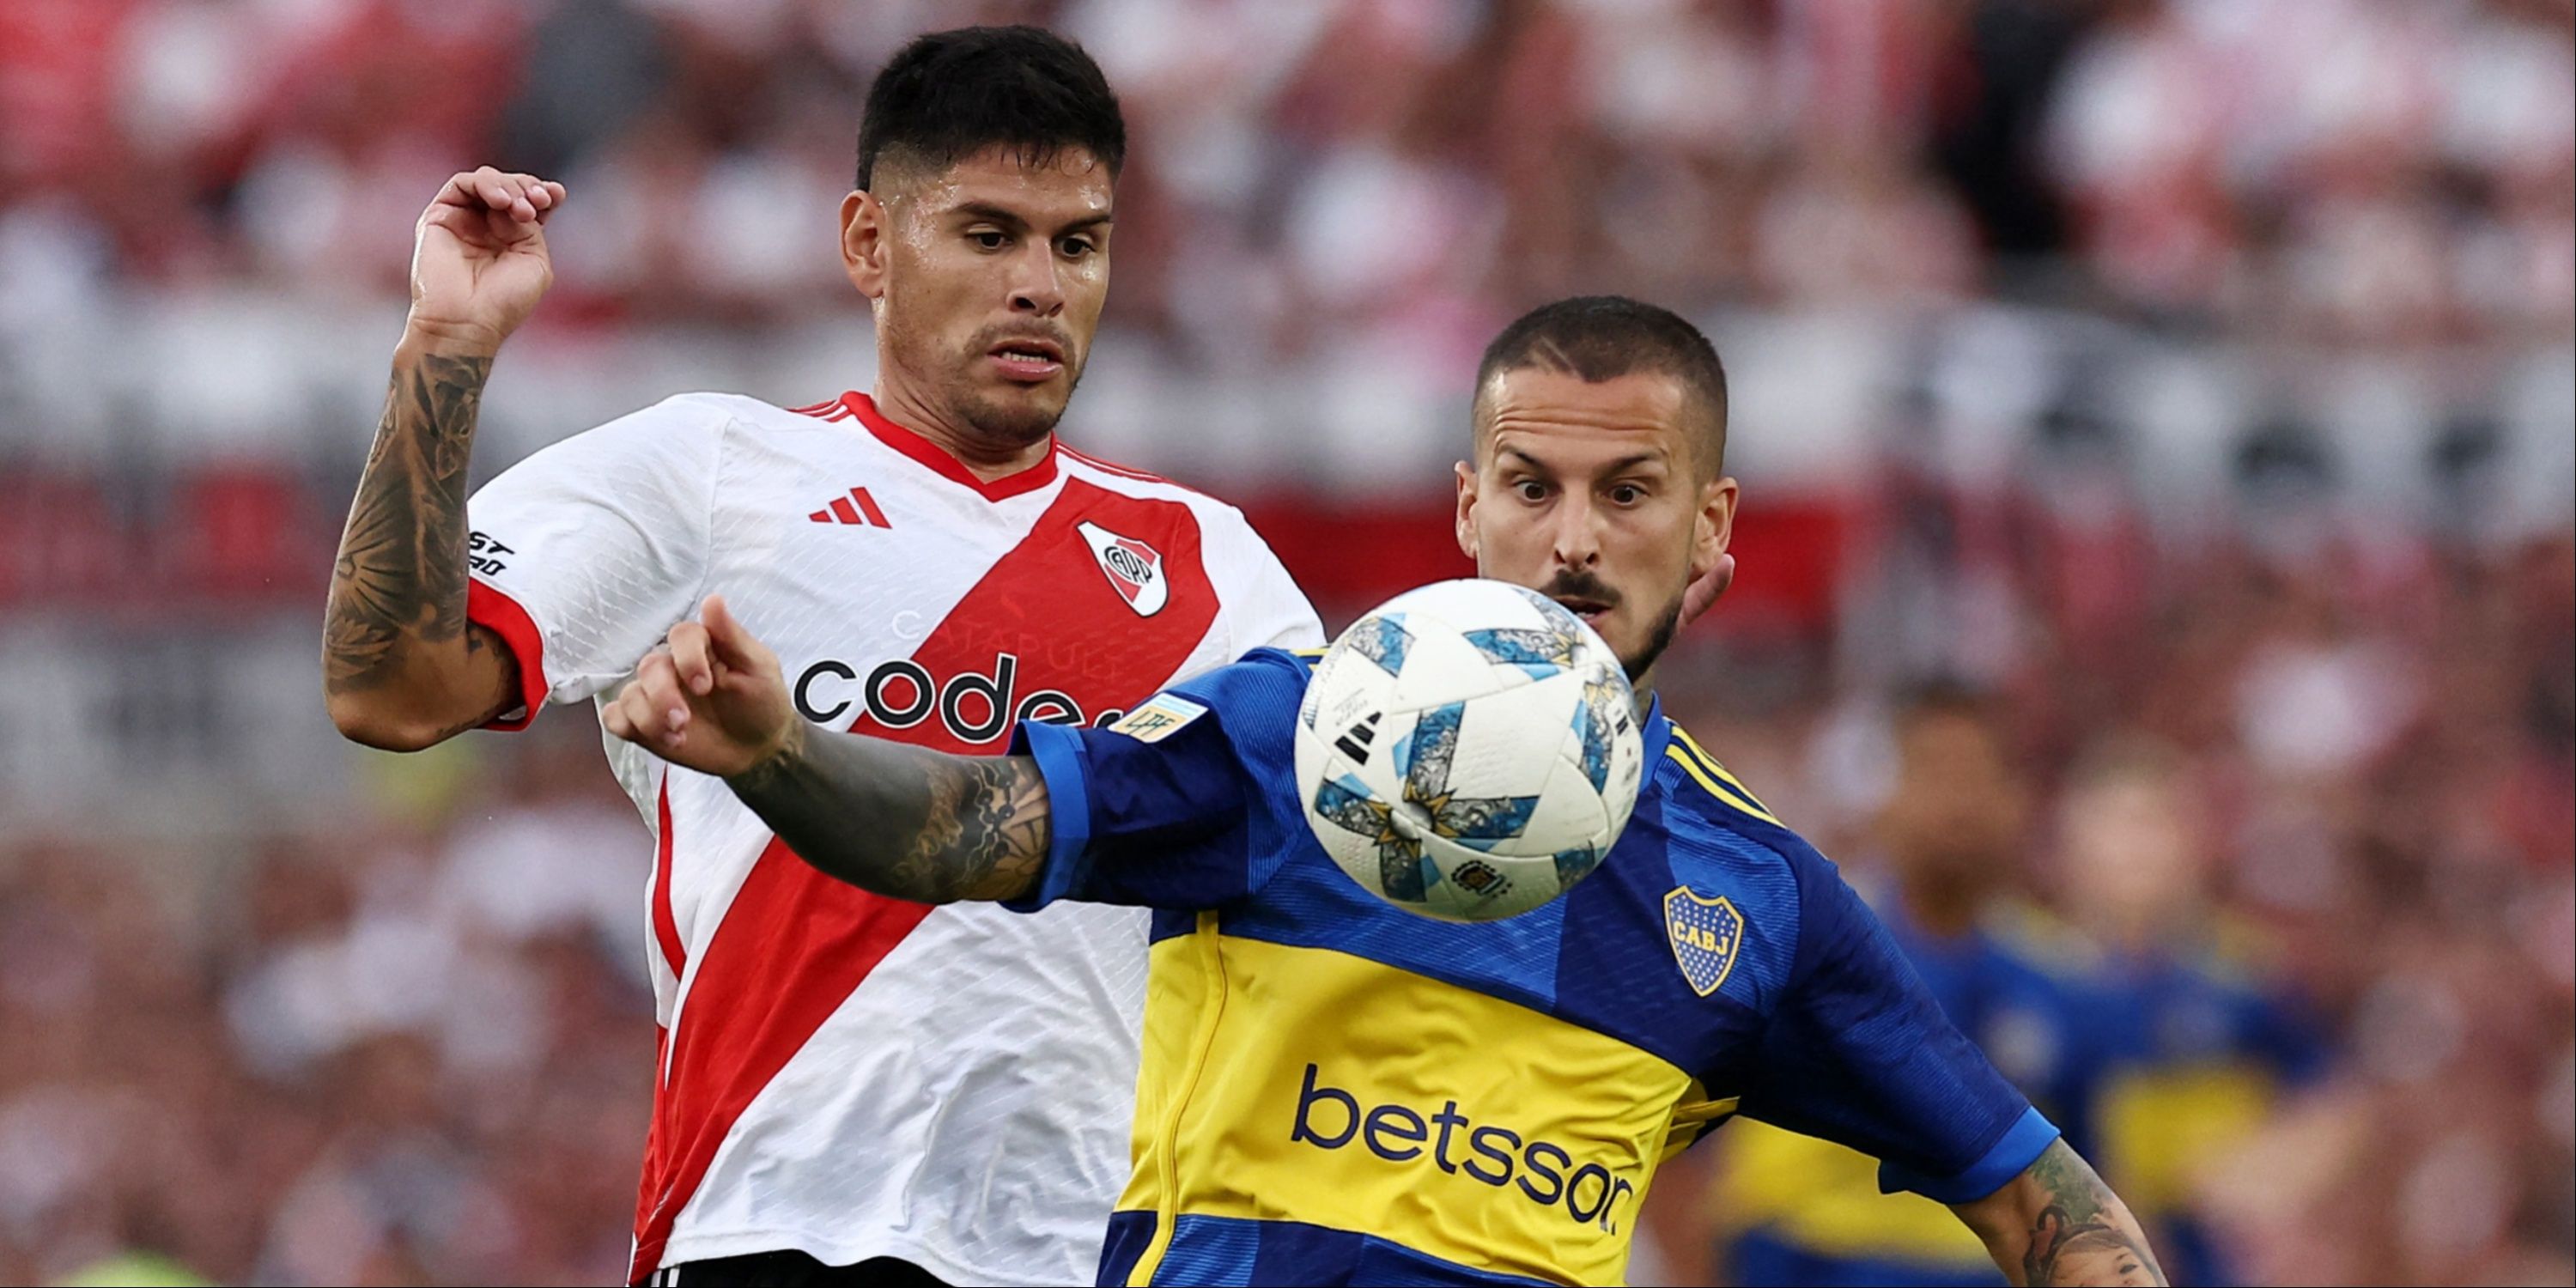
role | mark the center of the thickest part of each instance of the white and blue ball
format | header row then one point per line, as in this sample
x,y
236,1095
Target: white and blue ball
x,y
1469,750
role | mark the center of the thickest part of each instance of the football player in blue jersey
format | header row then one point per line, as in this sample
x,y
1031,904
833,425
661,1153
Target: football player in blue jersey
x,y
2186,1047
1797,1210
1338,1091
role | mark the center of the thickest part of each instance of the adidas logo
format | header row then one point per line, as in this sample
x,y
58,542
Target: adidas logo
x,y
1355,744
858,509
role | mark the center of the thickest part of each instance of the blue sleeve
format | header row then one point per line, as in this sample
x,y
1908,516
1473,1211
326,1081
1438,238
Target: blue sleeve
x,y
1860,1054
1190,807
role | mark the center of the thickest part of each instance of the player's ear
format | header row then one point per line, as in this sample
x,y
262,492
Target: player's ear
x,y
1714,527
1467,508
864,239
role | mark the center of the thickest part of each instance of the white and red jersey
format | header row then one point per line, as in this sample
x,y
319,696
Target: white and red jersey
x,y
840,1073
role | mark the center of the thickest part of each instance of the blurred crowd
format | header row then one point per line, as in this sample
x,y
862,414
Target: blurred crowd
x,y
2259,877
2286,730
1314,174
412,1045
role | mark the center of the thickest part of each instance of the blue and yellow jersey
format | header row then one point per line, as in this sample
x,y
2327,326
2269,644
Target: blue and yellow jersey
x,y
1794,1209
2189,1058
1338,1091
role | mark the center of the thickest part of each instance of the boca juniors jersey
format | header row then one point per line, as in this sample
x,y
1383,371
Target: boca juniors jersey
x,y
1338,1091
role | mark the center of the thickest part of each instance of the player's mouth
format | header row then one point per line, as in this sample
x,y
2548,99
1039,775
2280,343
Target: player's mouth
x,y
1027,360
1590,610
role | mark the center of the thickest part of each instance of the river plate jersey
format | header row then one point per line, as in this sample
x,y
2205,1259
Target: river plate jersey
x,y
1337,1091
842,1074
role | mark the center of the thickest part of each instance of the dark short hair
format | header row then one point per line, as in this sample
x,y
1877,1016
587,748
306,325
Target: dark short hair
x,y
1946,697
1604,337
948,95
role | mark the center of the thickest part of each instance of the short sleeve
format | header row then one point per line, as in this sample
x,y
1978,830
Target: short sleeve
x,y
582,555
1261,604
1185,803
1860,1054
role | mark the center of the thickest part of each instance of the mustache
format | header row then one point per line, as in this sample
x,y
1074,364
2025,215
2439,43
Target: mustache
x,y
1580,585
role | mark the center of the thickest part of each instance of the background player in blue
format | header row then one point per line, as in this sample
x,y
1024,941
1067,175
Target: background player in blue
x,y
1337,1091
2183,1050
1948,844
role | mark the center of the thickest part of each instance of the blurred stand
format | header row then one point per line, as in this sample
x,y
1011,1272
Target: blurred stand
x,y
2196,378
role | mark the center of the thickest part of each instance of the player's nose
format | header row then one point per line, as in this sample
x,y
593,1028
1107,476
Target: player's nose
x,y
1035,286
1577,532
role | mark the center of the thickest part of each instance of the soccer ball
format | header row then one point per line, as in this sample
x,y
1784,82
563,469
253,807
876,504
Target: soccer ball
x,y
1468,751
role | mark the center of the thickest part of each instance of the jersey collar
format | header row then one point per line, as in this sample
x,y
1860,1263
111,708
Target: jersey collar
x,y
1656,731
936,458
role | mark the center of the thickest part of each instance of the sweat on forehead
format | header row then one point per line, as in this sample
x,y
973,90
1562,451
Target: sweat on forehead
x,y
1601,338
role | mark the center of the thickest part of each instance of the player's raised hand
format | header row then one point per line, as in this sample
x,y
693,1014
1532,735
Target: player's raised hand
x,y
1702,594
478,259
712,699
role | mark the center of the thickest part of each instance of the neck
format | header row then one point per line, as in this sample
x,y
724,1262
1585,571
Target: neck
x,y
983,456
1940,907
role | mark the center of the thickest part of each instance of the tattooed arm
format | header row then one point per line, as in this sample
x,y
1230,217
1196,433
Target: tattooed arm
x,y
402,668
2057,1223
900,821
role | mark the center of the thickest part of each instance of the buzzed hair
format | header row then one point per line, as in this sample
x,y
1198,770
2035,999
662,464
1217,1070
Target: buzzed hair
x,y
1603,337
948,95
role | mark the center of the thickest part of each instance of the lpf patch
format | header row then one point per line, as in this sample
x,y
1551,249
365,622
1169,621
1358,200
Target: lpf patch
x,y
1706,933
1159,717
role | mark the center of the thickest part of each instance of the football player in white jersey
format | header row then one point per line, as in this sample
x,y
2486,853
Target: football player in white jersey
x,y
850,1088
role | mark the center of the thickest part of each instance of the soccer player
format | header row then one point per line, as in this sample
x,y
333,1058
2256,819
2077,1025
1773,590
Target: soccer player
x,y
1338,1091
2189,1050
1798,1210
845,1079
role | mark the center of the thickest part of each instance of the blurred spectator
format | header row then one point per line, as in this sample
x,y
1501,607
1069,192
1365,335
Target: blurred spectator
x,y
2187,1049
1796,1210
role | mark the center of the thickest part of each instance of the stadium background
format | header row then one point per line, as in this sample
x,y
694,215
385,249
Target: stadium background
x,y
2195,373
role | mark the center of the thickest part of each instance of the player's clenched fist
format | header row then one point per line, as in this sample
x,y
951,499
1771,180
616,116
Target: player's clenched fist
x,y
712,700
478,260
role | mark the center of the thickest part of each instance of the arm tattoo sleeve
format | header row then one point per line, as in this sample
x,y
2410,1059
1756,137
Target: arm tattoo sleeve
x,y
902,821
2082,1234
399,582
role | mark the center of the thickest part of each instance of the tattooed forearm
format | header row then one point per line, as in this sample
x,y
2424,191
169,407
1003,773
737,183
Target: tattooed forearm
x,y
2082,1233
400,580
902,821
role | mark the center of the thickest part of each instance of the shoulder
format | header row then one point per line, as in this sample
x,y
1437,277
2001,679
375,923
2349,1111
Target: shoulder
x,y
667,452
1264,675
1215,517
683,427
1721,833
1120,478
714,412
1708,807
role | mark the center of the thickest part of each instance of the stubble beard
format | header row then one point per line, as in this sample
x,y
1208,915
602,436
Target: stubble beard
x,y
1000,423
1667,624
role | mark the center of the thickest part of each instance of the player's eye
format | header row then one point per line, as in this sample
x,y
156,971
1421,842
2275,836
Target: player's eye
x,y
1074,247
989,239
1624,494
1531,490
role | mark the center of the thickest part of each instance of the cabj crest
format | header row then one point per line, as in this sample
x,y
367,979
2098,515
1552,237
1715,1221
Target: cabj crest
x,y
1706,933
